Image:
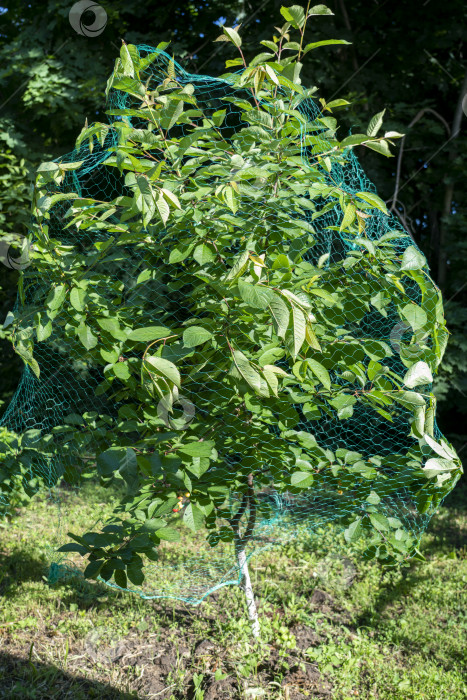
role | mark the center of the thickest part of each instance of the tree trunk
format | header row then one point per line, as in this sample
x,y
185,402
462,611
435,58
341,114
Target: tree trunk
x,y
449,192
240,544
246,586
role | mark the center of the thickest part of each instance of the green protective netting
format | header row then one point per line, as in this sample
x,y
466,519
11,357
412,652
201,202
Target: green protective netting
x,y
70,383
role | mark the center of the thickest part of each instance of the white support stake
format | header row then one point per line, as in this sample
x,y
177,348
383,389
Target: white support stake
x,y
248,589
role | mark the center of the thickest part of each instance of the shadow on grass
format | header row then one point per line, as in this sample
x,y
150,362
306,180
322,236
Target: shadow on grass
x,y
21,566
29,678
448,534
17,566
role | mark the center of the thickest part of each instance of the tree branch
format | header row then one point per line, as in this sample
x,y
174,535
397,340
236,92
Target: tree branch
x,y
418,116
449,191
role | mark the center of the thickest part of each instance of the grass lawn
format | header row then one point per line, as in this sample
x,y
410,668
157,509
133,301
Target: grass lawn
x,y
333,625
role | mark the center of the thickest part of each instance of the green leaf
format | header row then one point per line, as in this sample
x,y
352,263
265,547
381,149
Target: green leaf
x,y
74,547
230,199
326,42
320,372
202,448
366,243
437,465
135,574
349,216
418,374
203,254
164,367
380,147
233,36
353,531
198,466
116,459
301,480
254,295
179,254
271,379
271,74
414,315
56,297
163,210
121,370
86,336
168,534
444,450
409,399
153,524
353,140
280,313
149,333
43,331
374,200
298,330
379,521
373,498
295,15
195,335
249,374
239,266
319,10
120,578
26,355
127,61
412,259
311,339
93,568
171,113
193,517
171,198
375,124
77,298
337,103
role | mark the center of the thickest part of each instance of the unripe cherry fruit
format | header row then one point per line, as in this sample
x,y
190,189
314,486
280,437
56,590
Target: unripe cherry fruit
x,y
187,494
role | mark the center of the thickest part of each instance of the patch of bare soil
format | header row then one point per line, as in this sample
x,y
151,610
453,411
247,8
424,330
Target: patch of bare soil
x,y
305,637
226,689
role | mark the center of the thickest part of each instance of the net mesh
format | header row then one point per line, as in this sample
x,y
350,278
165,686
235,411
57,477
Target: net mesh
x,y
72,391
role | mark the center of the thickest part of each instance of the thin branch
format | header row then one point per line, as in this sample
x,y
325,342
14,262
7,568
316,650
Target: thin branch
x,y
252,517
234,523
418,116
